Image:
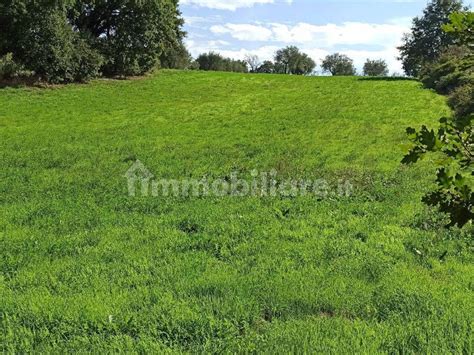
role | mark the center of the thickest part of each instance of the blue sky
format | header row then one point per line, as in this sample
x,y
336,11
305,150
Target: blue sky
x,y
359,28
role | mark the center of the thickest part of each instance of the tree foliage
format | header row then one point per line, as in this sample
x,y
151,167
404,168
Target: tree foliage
x,y
291,60
375,68
216,62
461,25
41,39
427,38
131,35
267,67
454,68
453,141
176,57
74,40
338,64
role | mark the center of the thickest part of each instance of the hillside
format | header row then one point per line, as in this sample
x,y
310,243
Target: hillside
x,y
85,266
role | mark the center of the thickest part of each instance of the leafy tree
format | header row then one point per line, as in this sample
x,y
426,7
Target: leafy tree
x,y
339,64
427,38
304,66
290,60
210,61
130,34
267,67
375,68
238,66
176,58
461,25
216,62
73,40
453,141
40,39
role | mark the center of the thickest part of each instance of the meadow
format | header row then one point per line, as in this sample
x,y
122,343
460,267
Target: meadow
x,y
86,267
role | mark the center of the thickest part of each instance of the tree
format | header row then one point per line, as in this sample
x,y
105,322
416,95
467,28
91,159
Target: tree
x,y
210,61
375,68
290,60
253,62
453,141
216,62
41,39
427,38
75,40
339,64
304,65
176,58
131,35
238,66
267,67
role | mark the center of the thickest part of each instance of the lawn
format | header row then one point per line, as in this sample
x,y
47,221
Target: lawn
x,y
86,267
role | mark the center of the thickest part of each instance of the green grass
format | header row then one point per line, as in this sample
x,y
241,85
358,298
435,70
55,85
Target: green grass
x,y
84,267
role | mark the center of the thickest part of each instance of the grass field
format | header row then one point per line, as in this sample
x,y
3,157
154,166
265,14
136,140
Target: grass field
x,y
86,267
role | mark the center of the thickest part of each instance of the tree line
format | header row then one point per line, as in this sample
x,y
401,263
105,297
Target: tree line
x,y
63,41
289,60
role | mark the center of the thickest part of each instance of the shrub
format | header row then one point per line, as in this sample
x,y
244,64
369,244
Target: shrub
x,y
454,68
462,100
86,61
8,67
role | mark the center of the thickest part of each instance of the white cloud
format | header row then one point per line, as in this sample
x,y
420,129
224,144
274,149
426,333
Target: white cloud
x,y
231,5
197,21
244,32
349,33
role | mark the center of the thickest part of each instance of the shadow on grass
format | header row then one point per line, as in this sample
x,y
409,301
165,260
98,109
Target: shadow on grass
x,y
386,78
36,82
20,82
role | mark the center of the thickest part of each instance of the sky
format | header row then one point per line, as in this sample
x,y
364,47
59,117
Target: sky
x,y
361,29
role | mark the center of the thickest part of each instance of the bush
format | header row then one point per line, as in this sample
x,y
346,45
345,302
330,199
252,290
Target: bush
x,y
86,61
8,67
454,68
462,100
